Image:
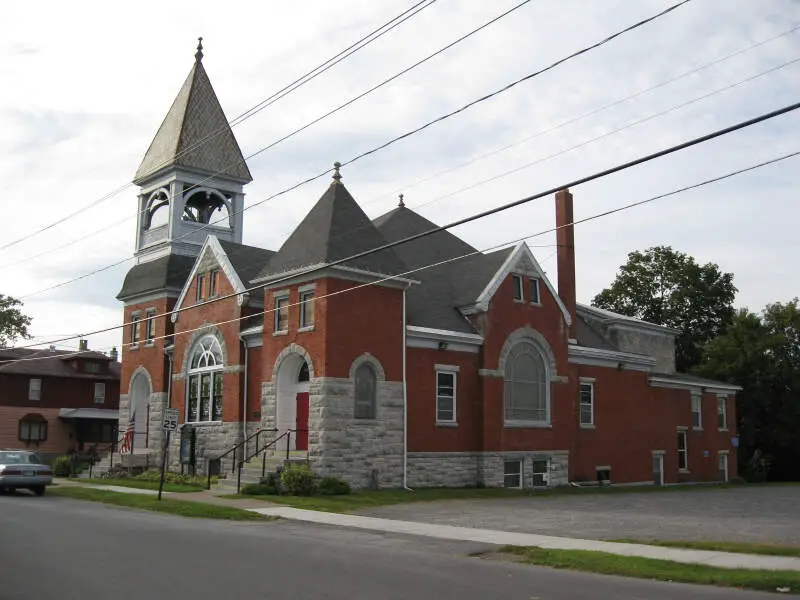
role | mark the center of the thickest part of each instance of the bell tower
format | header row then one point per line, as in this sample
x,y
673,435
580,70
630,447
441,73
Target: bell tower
x,y
192,177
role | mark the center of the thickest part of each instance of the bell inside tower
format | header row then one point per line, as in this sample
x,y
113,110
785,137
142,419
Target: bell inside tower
x,y
207,207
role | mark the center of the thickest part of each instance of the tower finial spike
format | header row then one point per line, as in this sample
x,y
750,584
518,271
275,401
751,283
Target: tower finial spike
x,y
198,56
336,175
401,204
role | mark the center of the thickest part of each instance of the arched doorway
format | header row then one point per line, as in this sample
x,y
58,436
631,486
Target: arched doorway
x,y
139,407
293,400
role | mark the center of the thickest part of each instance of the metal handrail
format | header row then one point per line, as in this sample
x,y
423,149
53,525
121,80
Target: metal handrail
x,y
233,449
263,458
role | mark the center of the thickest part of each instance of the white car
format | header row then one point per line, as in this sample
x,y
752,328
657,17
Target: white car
x,y
23,469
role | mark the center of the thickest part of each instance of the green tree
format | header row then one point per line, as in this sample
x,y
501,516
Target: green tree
x,y
667,287
13,323
761,353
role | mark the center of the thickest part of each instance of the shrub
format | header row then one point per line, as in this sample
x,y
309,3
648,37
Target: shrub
x,y
273,482
154,475
298,480
332,486
62,466
259,489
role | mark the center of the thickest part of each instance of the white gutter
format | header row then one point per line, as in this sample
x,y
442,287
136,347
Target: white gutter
x,y
244,396
405,398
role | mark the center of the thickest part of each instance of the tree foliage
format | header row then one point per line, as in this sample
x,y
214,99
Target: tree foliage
x,y
667,287
761,353
13,322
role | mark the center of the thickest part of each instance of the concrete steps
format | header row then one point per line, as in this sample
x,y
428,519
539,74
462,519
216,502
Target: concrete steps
x,y
253,469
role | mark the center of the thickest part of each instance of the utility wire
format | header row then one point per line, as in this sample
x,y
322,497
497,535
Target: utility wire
x,y
297,83
504,207
382,146
460,257
478,158
293,133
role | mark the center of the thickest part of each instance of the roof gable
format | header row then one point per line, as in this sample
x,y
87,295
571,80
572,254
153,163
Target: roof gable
x,y
334,229
521,259
195,134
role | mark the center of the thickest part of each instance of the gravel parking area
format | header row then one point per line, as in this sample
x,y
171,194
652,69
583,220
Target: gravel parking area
x,y
766,514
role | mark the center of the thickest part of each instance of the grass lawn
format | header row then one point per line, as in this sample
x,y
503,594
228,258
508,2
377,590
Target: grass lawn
x,y
740,547
140,484
649,568
183,508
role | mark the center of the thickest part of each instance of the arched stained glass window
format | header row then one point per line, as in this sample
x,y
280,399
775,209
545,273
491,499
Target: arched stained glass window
x,y
527,388
204,394
366,392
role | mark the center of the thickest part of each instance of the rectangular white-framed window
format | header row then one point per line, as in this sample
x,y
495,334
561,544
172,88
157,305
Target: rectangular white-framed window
x,y
697,410
512,473
200,280
445,395
99,393
34,389
519,294
306,309
587,403
534,287
722,413
281,314
683,451
135,329
213,283
541,472
32,431
150,327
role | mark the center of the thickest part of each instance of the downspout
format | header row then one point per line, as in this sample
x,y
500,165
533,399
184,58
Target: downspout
x,y
405,398
244,397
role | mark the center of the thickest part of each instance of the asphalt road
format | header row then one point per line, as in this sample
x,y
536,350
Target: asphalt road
x,y
62,549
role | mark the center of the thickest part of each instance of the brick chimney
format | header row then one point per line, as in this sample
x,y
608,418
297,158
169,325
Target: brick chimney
x,y
565,238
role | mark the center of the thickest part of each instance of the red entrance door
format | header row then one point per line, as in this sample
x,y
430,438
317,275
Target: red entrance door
x,y
301,442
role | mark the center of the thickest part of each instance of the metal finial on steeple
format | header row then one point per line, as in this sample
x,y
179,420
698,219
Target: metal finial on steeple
x,y
401,204
198,56
336,175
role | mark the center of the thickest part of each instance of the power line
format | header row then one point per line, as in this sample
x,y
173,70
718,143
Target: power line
x,y
388,143
504,207
466,255
590,113
290,135
297,83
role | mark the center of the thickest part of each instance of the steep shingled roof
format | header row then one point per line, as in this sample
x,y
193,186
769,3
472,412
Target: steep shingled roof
x,y
194,116
168,271
248,261
335,228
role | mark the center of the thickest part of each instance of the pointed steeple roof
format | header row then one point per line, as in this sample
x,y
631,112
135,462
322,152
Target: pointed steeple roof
x,y
195,133
335,228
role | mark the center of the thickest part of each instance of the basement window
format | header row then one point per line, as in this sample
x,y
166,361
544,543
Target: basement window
x,y
512,474
540,472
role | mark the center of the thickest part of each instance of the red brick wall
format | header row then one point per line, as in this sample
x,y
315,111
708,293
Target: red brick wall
x,y
150,357
215,313
423,433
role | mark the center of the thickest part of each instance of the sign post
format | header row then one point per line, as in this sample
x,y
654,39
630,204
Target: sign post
x,y
169,424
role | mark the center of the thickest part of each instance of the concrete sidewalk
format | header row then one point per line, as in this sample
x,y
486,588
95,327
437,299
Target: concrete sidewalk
x,y
726,560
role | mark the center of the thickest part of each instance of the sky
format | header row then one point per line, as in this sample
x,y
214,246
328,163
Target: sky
x,y
86,85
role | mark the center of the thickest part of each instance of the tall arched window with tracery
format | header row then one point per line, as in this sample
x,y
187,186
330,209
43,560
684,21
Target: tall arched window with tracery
x,y
527,387
204,394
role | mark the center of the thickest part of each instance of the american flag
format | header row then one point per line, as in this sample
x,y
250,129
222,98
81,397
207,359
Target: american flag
x,y
127,439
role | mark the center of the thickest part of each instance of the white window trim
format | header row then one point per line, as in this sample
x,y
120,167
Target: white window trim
x,y
522,423
723,401
684,432
213,282
149,317
444,370
537,282
136,319
585,381
275,299
306,326
699,397
519,284
38,391
521,464
214,370
97,386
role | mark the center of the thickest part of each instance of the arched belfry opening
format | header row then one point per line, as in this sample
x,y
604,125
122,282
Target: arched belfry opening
x,y
207,207
293,400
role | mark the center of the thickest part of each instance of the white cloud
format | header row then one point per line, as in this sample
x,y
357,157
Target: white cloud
x,y
89,92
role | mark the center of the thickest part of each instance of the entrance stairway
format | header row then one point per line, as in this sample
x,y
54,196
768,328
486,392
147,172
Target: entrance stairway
x,y
256,468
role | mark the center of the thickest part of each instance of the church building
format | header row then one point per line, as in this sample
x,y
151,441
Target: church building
x,y
476,371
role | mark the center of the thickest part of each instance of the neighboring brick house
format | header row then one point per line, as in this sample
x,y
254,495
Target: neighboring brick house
x,y
475,371
57,401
